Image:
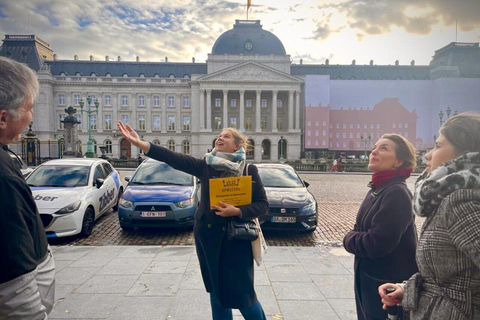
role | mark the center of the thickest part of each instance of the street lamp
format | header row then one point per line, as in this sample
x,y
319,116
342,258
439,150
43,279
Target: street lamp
x,y
447,111
282,159
90,152
365,140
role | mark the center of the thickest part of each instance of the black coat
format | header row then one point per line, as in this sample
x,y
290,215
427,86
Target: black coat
x,y
383,241
226,265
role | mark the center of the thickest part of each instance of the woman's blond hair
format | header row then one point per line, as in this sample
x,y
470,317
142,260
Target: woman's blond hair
x,y
240,138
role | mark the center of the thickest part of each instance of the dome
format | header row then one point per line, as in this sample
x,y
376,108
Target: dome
x,y
247,37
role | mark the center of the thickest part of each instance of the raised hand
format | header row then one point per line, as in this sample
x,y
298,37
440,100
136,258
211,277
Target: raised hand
x,y
132,136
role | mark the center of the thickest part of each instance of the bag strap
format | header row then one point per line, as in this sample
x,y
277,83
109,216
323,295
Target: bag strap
x,y
246,169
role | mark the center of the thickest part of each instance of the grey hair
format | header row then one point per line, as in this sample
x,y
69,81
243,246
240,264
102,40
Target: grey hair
x,y
18,84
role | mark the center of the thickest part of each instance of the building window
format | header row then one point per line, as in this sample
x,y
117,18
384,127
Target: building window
x,y
316,123
309,133
233,121
324,143
124,101
156,123
61,117
280,123
400,125
108,101
365,126
358,135
371,126
248,103
279,103
79,120
108,122
317,133
248,123
108,144
156,101
233,103
358,144
171,123
308,143
186,102
186,147
338,144
324,123
263,123
344,135
405,134
309,123
156,142
141,122
217,123
406,125
337,135
351,126
171,145
141,101
186,123
394,125
266,149
344,126
93,122
218,102
324,133
125,119
76,99
61,99
358,125
171,101
316,142
337,126
351,135
264,103
344,144
250,152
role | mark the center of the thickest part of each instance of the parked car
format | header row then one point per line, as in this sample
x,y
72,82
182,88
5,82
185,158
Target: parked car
x,y
24,169
158,196
72,193
292,206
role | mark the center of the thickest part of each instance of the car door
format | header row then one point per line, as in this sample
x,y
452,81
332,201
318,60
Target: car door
x,y
99,194
111,184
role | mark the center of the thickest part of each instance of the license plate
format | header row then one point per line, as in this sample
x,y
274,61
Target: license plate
x,y
153,214
284,219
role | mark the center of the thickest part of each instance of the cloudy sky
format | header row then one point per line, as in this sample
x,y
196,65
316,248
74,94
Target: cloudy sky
x,y
339,30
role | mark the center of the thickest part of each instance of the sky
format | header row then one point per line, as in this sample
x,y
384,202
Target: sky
x,y
339,30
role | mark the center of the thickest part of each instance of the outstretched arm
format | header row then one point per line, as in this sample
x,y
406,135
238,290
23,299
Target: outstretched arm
x,y
132,136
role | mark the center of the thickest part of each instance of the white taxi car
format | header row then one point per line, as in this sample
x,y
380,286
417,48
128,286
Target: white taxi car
x,y
72,193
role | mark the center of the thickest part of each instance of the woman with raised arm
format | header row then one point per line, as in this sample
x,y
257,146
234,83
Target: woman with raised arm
x,y
447,285
384,237
226,265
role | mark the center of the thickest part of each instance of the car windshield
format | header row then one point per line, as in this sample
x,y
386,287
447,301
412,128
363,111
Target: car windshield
x,y
59,176
158,173
279,178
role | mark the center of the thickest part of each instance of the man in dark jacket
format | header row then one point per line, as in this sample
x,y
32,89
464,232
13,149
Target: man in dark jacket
x,y
27,267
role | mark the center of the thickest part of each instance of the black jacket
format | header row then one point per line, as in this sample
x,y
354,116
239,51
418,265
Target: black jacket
x,y
226,265
383,241
23,243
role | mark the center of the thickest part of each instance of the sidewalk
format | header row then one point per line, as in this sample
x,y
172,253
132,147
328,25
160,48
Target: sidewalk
x,y
164,282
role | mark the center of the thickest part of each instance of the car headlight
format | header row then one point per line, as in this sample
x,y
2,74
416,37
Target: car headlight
x,y
70,208
125,203
310,208
185,203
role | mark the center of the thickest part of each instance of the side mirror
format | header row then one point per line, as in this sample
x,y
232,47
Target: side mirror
x,y
99,182
306,183
127,178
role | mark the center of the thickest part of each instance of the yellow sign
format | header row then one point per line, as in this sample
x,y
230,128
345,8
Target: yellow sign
x,y
236,191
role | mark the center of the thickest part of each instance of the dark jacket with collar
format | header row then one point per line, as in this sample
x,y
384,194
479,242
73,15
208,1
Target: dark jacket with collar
x,y
384,242
226,265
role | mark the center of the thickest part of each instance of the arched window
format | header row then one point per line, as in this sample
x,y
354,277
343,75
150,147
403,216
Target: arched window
x,y
125,75
251,149
353,78
186,147
338,78
279,103
108,75
186,76
142,75
78,74
63,74
266,149
108,144
282,149
171,145
156,142
171,76
93,74
156,75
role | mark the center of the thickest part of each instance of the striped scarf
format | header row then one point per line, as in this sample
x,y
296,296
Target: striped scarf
x,y
234,162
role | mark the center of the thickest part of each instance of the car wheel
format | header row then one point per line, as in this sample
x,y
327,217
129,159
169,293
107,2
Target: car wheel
x,y
88,222
120,193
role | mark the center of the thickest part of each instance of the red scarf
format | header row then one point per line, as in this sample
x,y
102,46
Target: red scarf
x,y
379,178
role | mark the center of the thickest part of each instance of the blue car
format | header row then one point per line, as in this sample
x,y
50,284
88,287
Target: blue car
x,y
158,196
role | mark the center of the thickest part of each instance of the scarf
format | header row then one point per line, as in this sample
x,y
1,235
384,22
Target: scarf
x,y
430,189
233,163
379,178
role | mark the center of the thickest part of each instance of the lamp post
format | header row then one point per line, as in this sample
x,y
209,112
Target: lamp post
x,y
365,140
90,152
282,159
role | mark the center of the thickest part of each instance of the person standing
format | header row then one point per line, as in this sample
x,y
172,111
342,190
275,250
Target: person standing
x,y
447,285
27,268
226,265
384,237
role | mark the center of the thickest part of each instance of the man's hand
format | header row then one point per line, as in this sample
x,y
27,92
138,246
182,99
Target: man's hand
x,y
226,210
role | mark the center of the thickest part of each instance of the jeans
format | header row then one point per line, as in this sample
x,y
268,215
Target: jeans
x,y
254,312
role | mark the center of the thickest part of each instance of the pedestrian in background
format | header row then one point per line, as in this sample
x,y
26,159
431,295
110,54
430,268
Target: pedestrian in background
x,y
27,268
334,165
226,265
447,285
384,236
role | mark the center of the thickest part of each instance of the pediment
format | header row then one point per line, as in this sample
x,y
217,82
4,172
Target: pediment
x,y
250,72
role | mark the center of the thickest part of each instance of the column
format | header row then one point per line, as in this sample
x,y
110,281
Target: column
x,y
242,110
225,108
179,113
149,119
209,110
100,117
258,113
274,111
202,110
297,111
163,106
290,111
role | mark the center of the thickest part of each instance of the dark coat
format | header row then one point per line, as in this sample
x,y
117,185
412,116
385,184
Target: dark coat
x,y
226,265
384,242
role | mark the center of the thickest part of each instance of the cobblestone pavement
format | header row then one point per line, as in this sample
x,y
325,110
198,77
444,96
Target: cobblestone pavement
x,y
338,195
